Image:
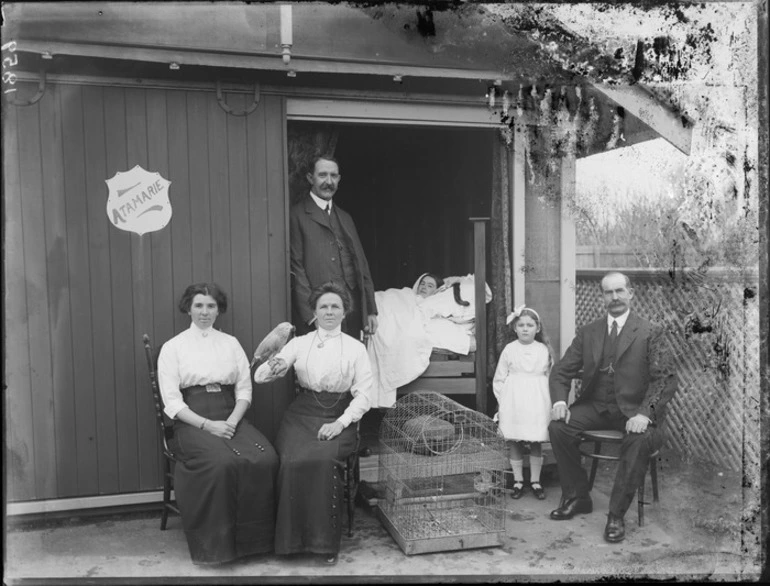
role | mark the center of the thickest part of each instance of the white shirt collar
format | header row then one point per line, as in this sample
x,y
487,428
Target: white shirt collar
x,y
200,331
621,319
326,334
320,202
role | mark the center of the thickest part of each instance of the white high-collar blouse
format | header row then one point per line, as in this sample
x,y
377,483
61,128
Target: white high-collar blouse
x,y
199,357
333,362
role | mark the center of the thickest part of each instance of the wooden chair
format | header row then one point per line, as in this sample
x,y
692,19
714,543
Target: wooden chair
x,y
610,436
352,478
352,471
165,433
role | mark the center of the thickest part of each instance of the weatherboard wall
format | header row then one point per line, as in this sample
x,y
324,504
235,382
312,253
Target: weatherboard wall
x,y
79,292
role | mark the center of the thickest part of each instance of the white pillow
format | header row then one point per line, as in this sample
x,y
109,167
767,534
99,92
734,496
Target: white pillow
x,y
446,305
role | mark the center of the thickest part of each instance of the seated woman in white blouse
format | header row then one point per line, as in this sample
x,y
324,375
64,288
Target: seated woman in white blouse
x,y
317,432
225,472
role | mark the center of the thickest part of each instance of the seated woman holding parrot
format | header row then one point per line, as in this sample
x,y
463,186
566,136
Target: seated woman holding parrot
x,y
318,430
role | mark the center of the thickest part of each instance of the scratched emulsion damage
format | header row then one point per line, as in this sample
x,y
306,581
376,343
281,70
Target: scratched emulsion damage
x,y
698,59
701,60
702,227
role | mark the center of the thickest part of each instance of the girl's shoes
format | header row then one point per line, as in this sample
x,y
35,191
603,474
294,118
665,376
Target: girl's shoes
x,y
518,490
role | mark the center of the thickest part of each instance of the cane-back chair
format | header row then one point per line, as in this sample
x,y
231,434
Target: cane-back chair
x,y
164,426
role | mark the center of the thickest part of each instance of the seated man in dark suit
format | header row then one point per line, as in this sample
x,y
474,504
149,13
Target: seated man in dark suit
x,y
627,379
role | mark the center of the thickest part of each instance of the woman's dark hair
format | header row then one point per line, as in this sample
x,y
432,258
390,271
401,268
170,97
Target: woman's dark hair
x,y
185,302
331,287
439,280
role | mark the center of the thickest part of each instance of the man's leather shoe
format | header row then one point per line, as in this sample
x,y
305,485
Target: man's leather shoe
x,y
571,507
615,530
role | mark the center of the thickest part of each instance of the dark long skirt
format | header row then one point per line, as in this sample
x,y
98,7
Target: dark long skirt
x,y
310,479
226,499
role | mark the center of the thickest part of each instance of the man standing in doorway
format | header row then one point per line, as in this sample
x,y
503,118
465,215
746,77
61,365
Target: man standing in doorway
x,y
325,247
627,379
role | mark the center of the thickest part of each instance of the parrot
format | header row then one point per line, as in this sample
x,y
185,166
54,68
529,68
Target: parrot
x,y
272,343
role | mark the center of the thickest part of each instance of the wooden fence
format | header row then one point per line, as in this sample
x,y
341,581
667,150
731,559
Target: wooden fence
x,y
589,256
712,325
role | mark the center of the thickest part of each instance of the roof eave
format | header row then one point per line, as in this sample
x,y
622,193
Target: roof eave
x,y
637,100
263,61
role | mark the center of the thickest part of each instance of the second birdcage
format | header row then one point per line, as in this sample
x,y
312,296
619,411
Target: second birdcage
x,y
442,469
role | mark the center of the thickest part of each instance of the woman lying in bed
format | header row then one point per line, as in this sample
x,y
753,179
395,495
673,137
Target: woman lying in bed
x,y
448,317
427,284
412,322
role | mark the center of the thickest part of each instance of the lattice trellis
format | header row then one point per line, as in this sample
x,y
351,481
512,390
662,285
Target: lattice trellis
x,y
712,330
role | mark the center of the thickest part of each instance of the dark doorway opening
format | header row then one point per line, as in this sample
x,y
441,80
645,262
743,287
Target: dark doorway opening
x,y
411,191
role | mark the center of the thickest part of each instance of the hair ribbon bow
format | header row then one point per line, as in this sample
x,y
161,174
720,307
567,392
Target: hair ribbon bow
x,y
514,314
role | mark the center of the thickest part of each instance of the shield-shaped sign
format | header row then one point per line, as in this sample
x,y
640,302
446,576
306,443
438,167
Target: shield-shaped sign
x,y
138,201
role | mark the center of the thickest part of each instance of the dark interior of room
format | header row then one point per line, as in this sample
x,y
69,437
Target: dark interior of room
x,y
411,191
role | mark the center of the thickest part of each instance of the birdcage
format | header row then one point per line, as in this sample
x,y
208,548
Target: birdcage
x,y
442,469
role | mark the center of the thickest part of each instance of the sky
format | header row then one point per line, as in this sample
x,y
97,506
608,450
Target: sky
x,y
718,93
642,169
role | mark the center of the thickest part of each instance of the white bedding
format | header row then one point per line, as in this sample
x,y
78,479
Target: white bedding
x,y
409,327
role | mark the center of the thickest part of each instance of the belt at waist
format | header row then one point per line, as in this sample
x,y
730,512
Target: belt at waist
x,y
209,388
312,392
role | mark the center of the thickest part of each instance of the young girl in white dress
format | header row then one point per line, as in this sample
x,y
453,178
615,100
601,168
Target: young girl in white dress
x,y
521,388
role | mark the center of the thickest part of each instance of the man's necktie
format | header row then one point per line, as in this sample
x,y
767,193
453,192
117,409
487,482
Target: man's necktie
x,y
613,339
328,209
